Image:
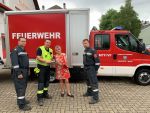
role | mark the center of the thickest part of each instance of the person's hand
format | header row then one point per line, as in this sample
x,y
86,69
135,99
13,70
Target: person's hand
x,y
20,76
58,63
47,61
52,65
53,61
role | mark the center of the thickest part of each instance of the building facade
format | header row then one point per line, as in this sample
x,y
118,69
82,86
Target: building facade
x,y
8,5
145,35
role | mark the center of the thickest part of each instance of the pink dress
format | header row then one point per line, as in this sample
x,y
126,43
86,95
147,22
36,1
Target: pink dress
x,y
62,70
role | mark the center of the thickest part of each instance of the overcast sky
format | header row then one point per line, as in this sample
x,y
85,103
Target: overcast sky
x,y
99,7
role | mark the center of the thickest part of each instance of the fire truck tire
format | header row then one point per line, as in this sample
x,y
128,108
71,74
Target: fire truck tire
x,y
142,77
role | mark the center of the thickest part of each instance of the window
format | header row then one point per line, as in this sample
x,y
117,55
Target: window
x,y
122,41
126,42
133,43
102,42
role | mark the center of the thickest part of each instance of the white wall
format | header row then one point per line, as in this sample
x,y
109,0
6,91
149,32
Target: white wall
x,y
1,1
145,35
20,4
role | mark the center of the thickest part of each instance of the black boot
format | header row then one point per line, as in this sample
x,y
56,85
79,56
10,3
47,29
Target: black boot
x,y
22,105
40,99
27,101
95,97
25,107
46,95
41,102
93,101
87,94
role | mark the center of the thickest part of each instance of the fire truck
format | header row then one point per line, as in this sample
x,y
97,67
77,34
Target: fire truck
x,y
120,52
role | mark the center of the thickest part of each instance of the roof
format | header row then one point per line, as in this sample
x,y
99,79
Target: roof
x,y
55,7
4,8
36,5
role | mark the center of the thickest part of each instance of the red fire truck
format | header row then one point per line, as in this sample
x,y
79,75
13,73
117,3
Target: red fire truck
x,y
120,52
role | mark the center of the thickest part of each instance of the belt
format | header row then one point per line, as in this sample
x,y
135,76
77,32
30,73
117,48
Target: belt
x,y
41,66
88,65
24,67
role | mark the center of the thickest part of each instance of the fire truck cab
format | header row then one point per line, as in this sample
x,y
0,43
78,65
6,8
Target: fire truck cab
x,y
121,54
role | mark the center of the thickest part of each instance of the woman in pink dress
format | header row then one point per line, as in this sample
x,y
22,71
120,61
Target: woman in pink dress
x,y
62,71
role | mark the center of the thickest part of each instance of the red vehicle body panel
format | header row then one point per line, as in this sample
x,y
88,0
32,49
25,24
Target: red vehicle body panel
x,y
47,23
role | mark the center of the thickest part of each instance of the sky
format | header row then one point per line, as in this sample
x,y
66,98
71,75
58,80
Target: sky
x,y
100,7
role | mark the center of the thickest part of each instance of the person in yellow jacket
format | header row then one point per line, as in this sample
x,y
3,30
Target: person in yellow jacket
x,y
44,58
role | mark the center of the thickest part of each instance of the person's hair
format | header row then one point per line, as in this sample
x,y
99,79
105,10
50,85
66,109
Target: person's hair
x,y
21,38
84,40
48,40
57,46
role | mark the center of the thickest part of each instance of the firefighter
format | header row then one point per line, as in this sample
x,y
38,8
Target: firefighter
x,y
20,67
44,58
91,64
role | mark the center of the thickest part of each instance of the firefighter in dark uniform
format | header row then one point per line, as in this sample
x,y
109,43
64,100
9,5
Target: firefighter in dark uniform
x,y
91,65
44,58
20,68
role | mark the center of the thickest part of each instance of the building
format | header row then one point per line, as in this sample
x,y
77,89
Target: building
x,y
8,5
145,34
57,7
54,7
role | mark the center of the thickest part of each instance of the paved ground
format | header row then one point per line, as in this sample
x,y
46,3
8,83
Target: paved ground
x,y
118,95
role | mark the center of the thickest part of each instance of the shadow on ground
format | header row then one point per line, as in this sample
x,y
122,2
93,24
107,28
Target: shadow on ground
x,y
5,74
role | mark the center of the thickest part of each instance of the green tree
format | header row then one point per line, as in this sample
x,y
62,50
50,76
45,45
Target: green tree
x,y
108,21
126,18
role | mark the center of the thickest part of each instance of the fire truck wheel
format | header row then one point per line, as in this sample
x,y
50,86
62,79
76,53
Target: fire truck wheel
x,y
142,77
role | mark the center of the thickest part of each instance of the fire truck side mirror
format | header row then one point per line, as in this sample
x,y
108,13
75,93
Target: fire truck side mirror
x,y
142,47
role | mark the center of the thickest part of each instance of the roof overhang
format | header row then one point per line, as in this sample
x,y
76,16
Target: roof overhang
x,y
4,8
